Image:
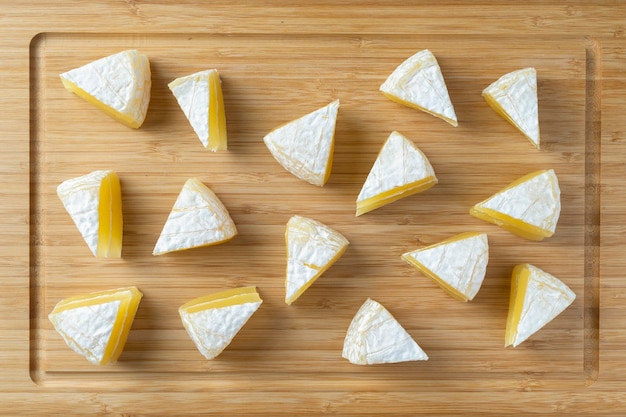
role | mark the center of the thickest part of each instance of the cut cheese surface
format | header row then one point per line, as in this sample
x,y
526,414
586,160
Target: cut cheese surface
x,y
96,325
200,97
458,265
418,83
536,299
514,97
94,201
305,146
198,218
400,170
529,207
376,337
312,248
213,321
118,84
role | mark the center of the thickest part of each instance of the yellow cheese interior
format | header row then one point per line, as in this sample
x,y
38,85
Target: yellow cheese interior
x,y
110,223
394,194
122,118
217,116
129,302
519,284
222,299
430,274
329,162
415,106
498,109
123,323
516,226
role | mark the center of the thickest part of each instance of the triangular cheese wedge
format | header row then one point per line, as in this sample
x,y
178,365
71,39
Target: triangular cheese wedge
x,y
118,84
200,97
514,97
400,170
96,325
418,83
458,265
536,299
198,218
375,337
94,201
213,321
312,248
305,146
529,207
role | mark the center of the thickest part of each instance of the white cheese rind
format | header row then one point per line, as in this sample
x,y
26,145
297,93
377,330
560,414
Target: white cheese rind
x,y
81,197
304,146
198,218
516,93
462,263
536,201
311,246
376,337
546,297
213,329
398,163
121,81
87,329
419,81
192,93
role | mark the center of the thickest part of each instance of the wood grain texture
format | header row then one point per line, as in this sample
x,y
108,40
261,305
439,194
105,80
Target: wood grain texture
x,y
278,62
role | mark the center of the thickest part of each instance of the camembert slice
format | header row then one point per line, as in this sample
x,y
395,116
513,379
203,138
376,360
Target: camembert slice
x,y
198,218
200,97
118,84
536,299
418,83
376,337
96,325
305,146
529,207
400,170
458,265
213,321
514,97
94,201
312,248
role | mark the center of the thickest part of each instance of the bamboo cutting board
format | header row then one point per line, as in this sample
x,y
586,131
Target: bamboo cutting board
x,y
287,359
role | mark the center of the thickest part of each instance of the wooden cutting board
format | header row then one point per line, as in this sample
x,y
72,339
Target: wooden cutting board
x,y
279,63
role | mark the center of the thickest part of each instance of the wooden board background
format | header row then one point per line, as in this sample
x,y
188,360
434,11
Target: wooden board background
x,y
279,62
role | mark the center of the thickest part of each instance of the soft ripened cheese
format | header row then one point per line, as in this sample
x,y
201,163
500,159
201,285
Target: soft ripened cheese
x,y
376,337
94,202
529,207
418,83
514,97
537,297
312,248
305,146
213,321
118,84
458,265
198,218
96,325
400,170
200,97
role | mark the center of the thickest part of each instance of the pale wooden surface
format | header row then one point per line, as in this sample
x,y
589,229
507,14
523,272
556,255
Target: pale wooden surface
x,y
278,62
